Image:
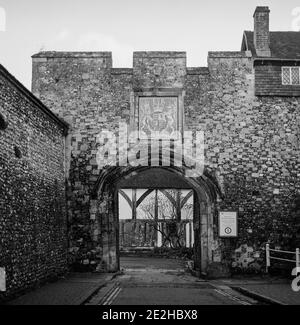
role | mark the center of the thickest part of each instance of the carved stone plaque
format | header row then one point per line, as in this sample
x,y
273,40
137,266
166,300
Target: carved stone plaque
x,y
158,116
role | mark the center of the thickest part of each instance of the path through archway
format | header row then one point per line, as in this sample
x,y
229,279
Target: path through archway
x,y
111,181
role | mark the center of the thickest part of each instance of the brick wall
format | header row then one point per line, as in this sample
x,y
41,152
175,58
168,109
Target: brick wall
x,y
33,243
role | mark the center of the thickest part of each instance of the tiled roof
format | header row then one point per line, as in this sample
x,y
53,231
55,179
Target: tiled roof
x,y
284,45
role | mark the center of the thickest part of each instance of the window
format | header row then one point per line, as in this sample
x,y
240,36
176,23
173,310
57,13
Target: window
x,y
156,204
291,76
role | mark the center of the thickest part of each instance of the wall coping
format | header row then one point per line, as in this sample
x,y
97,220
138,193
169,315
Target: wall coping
x,y
227,54
55,54
159,54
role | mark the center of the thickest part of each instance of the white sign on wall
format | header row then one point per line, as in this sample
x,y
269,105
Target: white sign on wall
x,y
2,279
228,226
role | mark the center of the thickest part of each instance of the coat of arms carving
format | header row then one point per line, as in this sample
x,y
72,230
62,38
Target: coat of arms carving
x,y
158,116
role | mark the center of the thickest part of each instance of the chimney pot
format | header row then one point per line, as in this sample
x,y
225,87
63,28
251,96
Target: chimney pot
x,y
261,9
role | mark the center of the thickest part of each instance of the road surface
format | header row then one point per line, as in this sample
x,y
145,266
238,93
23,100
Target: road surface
x,y
158,281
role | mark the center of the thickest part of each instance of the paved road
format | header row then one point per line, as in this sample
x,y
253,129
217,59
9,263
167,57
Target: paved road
x,y
156,281
75,289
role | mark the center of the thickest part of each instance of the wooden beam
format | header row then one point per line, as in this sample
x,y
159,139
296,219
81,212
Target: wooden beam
x,y
178,205
143,197
126,197
188,196
156,205
169,196
134,204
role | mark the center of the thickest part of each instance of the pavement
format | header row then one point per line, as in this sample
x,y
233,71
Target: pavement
x,y
271,290
159,281
74,289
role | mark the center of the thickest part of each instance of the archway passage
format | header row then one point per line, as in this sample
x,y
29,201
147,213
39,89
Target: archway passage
x,y
118,180
155,218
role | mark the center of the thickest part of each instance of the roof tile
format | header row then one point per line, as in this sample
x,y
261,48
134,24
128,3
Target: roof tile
x,y
284,45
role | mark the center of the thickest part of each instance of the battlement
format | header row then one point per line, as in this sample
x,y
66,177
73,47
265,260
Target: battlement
x,y
73,55
228,54
160,54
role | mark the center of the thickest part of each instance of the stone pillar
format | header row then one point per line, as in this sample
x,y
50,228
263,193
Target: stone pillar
x,y
109,233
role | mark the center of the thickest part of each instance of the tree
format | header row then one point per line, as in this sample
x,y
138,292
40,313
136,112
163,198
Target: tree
x,y
164,212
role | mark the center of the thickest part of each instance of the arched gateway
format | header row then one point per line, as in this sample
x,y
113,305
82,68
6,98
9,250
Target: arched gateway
x,y
112,179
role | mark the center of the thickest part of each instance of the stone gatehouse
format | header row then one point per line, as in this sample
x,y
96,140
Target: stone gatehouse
x,y
247,105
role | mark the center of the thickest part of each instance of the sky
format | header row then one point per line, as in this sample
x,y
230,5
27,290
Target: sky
x,y
124,26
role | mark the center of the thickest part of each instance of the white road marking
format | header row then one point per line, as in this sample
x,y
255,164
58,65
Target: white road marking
x,y
108,293
112,296
232,297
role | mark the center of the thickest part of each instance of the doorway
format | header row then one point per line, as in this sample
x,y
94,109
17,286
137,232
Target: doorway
x,y
155,218
124,227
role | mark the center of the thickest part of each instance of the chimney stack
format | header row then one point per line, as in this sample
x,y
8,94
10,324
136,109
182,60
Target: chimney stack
x,y
262,32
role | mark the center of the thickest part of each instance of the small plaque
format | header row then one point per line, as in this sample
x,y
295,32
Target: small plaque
x,y
2,279
228,226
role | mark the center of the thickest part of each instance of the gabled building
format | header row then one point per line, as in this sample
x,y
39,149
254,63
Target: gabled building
x,y
276,57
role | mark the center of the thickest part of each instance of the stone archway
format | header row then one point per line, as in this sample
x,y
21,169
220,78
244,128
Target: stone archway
x,y
206,191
